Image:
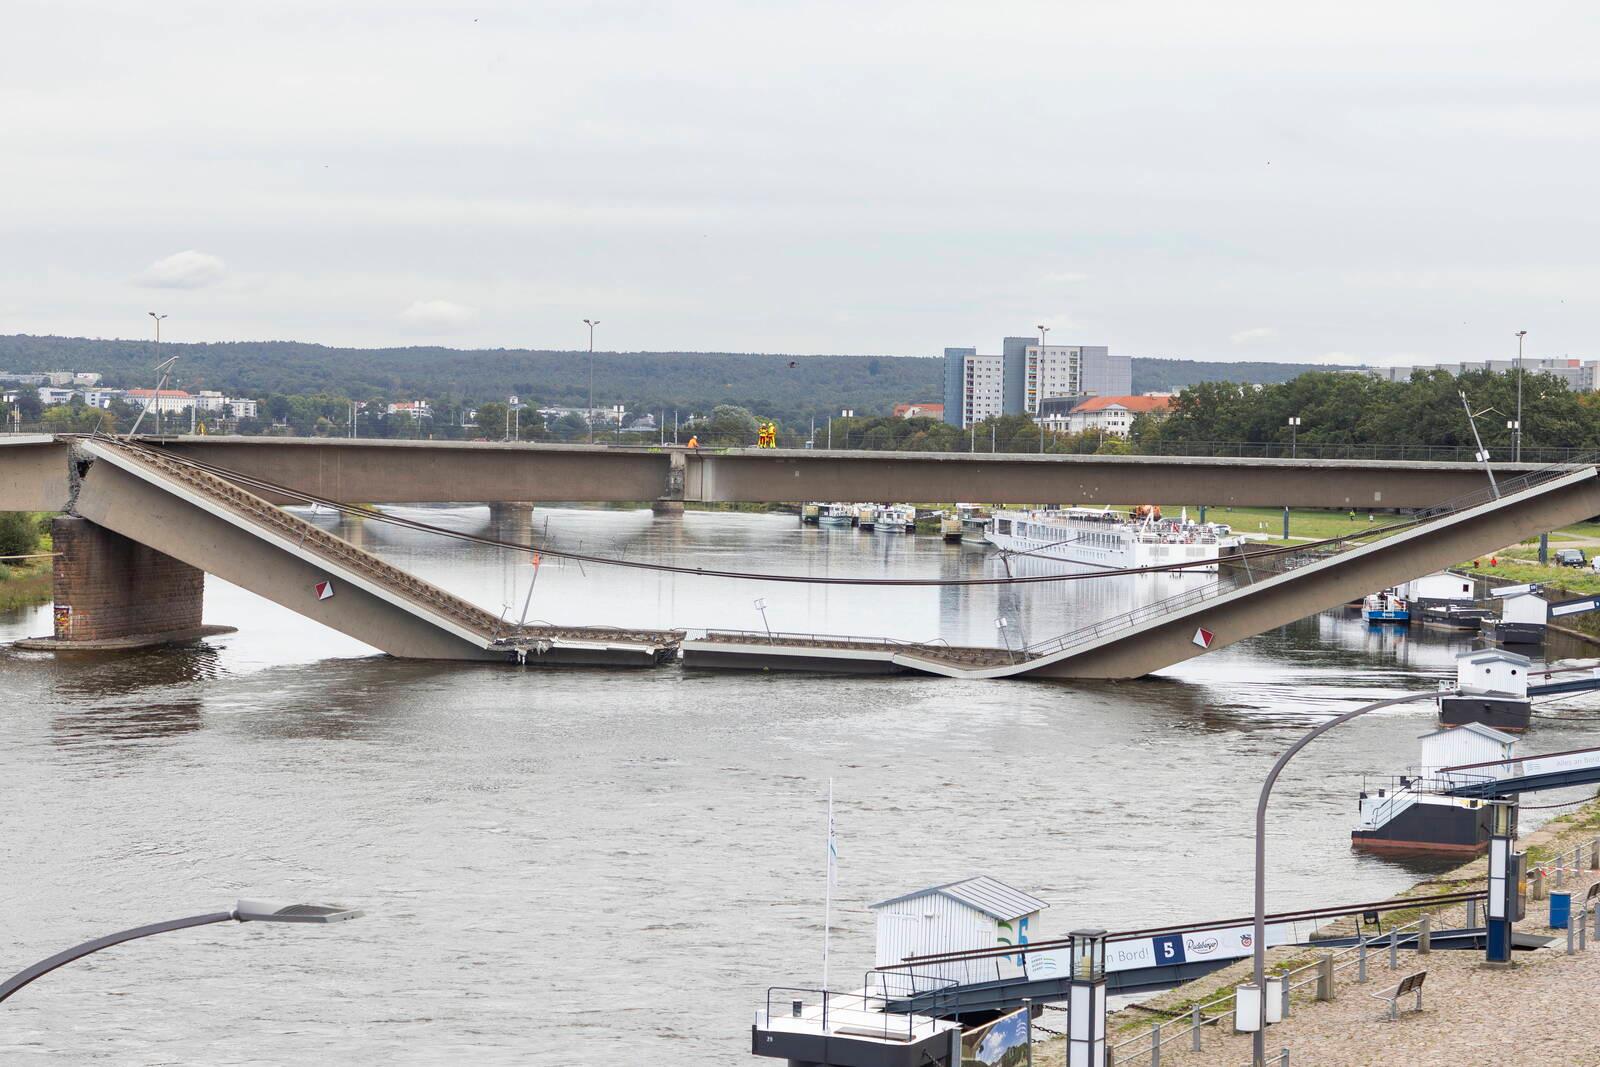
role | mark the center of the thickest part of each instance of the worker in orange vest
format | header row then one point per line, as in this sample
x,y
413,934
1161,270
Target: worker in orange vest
x,y
694,442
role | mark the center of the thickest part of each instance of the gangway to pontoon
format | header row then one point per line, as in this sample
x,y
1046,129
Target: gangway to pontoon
x,y
1524,774
999,978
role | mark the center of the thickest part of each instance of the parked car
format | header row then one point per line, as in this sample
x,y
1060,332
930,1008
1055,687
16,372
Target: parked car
x,y
1571,557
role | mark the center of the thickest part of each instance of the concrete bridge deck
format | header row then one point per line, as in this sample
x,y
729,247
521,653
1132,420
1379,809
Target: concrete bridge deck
x,y
1274,592
211,524
33,474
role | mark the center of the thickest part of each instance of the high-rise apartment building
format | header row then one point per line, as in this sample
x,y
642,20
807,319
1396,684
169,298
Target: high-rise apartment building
x,y
982,388
1026,372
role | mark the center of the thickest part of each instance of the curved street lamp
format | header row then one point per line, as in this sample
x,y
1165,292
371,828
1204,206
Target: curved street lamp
x,y
244,911
1259,1039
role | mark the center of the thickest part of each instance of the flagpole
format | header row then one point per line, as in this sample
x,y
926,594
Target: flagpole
x,y
827,892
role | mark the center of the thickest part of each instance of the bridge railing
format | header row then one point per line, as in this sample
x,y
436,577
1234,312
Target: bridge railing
x,y
1260,567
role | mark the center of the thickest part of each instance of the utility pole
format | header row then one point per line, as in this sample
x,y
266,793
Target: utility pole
x,y
1482,456
591,323
1516,435
157,398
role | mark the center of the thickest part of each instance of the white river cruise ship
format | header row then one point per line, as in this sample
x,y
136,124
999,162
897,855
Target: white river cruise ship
x,y
1107,538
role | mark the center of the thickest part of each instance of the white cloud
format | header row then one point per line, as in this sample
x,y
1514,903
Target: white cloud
x,y
183,270
1254,333
437,316
1065,278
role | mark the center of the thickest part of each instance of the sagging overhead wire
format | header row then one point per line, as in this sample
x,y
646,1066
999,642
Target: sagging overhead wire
x,y
668,568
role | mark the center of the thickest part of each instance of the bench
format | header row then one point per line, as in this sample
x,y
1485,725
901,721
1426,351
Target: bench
x,y
1411,983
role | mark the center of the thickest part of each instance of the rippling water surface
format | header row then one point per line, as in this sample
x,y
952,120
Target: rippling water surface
x,y
600,866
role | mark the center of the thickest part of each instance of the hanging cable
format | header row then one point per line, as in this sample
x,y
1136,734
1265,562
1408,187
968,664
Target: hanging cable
x,y
277,489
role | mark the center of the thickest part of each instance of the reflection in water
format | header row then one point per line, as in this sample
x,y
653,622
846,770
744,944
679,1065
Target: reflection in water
x,y
625,860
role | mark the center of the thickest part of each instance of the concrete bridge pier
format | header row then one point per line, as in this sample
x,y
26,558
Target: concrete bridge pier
x,y
671,501
511,516
114,593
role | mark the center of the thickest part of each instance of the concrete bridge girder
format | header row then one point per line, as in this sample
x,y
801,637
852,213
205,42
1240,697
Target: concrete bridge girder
x,y
34,473
372,471
1284,598
200,533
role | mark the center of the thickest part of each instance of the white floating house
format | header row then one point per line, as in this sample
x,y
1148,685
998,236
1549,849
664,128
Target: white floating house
x,y
1441,589
1417,816
1455,746
1491,689
974,913
1524,614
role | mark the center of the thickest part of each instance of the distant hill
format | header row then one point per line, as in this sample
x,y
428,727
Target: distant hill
x,y
815,385
1170,375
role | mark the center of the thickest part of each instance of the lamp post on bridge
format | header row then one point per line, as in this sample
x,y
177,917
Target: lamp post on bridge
x,y
1516,436
1294,434
161,380
244,911
591,323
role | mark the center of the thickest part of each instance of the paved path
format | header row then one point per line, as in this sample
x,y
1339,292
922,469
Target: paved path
x,y
1540,1012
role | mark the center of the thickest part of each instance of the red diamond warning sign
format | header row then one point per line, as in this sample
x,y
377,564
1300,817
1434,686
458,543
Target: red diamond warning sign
x,y
324,590
1203,637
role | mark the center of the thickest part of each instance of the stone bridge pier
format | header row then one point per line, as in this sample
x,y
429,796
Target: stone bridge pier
x,y
114,593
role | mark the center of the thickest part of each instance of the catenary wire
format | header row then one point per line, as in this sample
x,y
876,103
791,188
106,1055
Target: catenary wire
x,y
806,579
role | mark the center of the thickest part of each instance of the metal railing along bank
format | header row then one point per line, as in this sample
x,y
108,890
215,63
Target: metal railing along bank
x,y
1322,973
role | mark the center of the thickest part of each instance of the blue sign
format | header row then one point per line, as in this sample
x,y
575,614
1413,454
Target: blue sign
x,y
1169,950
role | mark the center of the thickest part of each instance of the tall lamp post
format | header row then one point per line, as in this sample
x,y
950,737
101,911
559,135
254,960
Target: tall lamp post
x,y
1516,435
244,911
1249,997
591,323
1294,435
1038,380
160,381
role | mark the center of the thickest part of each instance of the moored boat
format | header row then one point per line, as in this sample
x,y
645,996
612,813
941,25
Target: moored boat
x,y
898,518
974,519
950,526
1385,607
867,516
836,515
1107,538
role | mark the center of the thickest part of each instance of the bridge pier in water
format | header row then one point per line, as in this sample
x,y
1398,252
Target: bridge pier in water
x,y
511,517
113,592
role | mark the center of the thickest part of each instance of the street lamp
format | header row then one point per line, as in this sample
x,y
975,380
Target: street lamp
x,y
591,323
1516,437
1250,999
244,911
160,366
1294,433
1038,379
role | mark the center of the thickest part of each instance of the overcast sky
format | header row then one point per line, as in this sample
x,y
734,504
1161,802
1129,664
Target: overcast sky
x,y
1351,182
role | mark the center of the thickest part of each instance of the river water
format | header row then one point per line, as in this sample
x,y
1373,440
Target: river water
x,y
612,866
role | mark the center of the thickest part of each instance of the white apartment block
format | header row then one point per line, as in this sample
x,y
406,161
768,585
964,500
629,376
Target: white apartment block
x,y
983,388
1051,370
